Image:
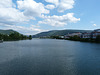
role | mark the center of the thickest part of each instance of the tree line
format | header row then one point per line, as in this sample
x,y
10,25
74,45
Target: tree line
x,y
14,36
77,38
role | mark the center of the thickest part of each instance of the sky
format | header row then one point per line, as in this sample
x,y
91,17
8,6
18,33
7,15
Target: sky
x,y
30,17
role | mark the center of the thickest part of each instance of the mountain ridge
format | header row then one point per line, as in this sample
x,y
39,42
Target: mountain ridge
x,y
59,32
9,31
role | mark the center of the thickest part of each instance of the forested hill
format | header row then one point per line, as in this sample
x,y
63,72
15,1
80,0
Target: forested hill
x,y
58,32
11,35
6,31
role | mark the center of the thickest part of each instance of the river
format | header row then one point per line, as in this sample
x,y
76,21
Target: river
x,y
49,57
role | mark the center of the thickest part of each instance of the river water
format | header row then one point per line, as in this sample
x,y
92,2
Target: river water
x,y
49,57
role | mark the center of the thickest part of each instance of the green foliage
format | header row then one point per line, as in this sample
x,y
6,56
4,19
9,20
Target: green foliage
x,y
7,32
75,38
98,39
13,37
58,33
30,37
55,37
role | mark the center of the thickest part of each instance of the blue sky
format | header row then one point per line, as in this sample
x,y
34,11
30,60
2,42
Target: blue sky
x,y
35,16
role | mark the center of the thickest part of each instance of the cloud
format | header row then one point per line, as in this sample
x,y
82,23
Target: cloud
x,y
62,5
56,2
50,6
6,3
59,20
65,5
31,8
32,29
94,25
27,9
11,16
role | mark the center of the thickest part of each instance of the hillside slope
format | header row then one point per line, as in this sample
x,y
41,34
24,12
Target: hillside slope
x,y
6,31
58,32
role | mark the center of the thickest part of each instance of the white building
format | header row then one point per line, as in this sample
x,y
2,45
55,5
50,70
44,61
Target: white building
x,y
61,37
95,33
86,35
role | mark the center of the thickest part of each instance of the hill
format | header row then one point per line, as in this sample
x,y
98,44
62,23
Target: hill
x,y
11,35
58,32
7,31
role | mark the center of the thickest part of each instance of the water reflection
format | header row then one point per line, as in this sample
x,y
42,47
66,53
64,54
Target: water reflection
x,y
49,57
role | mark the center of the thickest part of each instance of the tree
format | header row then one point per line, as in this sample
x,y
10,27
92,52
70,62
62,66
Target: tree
x,y
75,38
13,36
98,38
30,37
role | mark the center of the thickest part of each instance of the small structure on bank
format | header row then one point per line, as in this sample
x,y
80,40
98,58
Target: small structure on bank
x,y
85,35
92,35
95,33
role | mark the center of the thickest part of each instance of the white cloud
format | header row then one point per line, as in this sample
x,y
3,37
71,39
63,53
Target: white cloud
x,y
50,6
59,20
6,3
94,25
28,9
32,29
56,2
62,5
32,8
65,4
11,16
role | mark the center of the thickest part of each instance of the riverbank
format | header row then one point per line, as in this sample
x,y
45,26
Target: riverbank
x,y
84,40
1,41
14,37
76,38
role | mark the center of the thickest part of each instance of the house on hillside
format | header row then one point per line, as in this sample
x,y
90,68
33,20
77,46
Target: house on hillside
x,y
86,35
62,37
73,34
95,33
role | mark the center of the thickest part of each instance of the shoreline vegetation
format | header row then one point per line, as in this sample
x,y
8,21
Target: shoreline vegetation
x,y
15,36
75,35
11,35
77,38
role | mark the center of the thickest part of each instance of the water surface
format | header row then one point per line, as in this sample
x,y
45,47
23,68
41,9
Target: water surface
x,y
49,57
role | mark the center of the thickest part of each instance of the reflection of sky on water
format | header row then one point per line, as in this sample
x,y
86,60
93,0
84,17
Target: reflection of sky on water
x,y
49,57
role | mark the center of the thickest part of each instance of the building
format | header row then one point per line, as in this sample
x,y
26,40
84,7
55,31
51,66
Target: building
x,y
76,34
62,37
73,34
95,33
86,35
